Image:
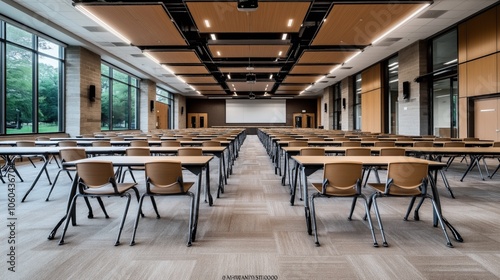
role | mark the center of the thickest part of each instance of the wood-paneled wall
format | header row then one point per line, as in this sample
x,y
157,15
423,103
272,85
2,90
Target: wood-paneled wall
x,y
371,99
479,62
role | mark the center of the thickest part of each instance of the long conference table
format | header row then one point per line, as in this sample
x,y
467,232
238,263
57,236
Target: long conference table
x,y
10,153
307,165
194,164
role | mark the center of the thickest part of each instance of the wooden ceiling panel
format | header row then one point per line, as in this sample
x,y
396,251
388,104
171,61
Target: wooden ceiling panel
x,y
213,92
279,92
360,24
224,17
301,79
143,25
244,86
184,57
324,57
208,88
256,69
291,88
312,69
179,70
222,51
199,79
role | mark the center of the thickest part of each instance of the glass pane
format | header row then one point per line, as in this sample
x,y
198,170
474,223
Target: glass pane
x,y
133,108
441,108
49,48
19,36
105,70
121,106
117,75
48,94
105,103
392,99
357,102
19,90
444,50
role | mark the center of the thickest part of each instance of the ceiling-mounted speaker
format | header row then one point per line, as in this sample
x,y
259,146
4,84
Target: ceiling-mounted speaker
x,y
251,78
247,5
91,93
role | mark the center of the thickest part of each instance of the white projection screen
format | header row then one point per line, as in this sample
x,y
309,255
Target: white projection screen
x,y
255,111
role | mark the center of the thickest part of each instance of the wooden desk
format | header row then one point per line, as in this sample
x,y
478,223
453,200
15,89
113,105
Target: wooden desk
x,y
195,164
310,164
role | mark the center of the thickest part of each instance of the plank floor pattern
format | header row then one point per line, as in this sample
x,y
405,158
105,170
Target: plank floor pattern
x,y
253,230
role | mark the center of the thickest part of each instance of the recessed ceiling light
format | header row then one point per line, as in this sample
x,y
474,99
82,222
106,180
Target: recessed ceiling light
x,y
283,37
290,22
280,53
207,23
213,37
270,76
229,76
218,53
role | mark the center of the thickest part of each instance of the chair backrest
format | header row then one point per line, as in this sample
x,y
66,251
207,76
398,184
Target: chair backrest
x,y
139,143
138,151
170,143
496,144
406,177
423,144
211,144
95,174
454,144
385,144
312,151
71,154
315,139
101,144
25,143
67,143
185,138
357,151
340,178
340,139
164,175
297,144
351,144
392,151
43,138
471,139
190,151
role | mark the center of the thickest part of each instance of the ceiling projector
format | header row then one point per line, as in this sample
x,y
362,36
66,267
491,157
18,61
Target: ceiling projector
x,y
251,95
247,5
251,78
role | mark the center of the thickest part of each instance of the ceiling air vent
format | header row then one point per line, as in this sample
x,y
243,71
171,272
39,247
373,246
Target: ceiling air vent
x,y
432,14
387,42
95,28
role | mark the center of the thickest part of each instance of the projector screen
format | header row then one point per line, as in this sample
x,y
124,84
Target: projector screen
x,y
255,111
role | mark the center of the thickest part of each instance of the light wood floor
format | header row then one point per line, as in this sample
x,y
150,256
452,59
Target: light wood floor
x,y
253,230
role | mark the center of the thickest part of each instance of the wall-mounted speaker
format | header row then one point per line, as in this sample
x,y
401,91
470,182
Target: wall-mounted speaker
x,y
406,90
151,105
91,93
326,107
343,103
182,110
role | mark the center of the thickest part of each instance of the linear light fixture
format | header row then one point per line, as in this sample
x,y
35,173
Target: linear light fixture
x,y
270,76
318,80
400,23
148,55
213,37
168,69
335,68
102,23
352,56
229,76
283,37
451,62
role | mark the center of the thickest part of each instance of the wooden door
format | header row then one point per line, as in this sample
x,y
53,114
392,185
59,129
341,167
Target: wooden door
x,y
304,120
161,115
487,119
197,120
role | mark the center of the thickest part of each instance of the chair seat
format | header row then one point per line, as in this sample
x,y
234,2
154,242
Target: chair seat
x,y
334,191
173,189
395,190
122,187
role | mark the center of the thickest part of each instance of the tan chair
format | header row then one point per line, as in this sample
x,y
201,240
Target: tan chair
x,y
171,143
392,151
97,179
27,143
164,178
185,138
340,180
357,151
423,144
351,144
405,179
297,143
312,151
101,143
139,143
134,151
384,144
211,144
190,151
66,155
67,143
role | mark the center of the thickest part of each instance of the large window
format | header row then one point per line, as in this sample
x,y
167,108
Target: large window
x,y
337,107
357,102
166,97
119,99
32,95
391,96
